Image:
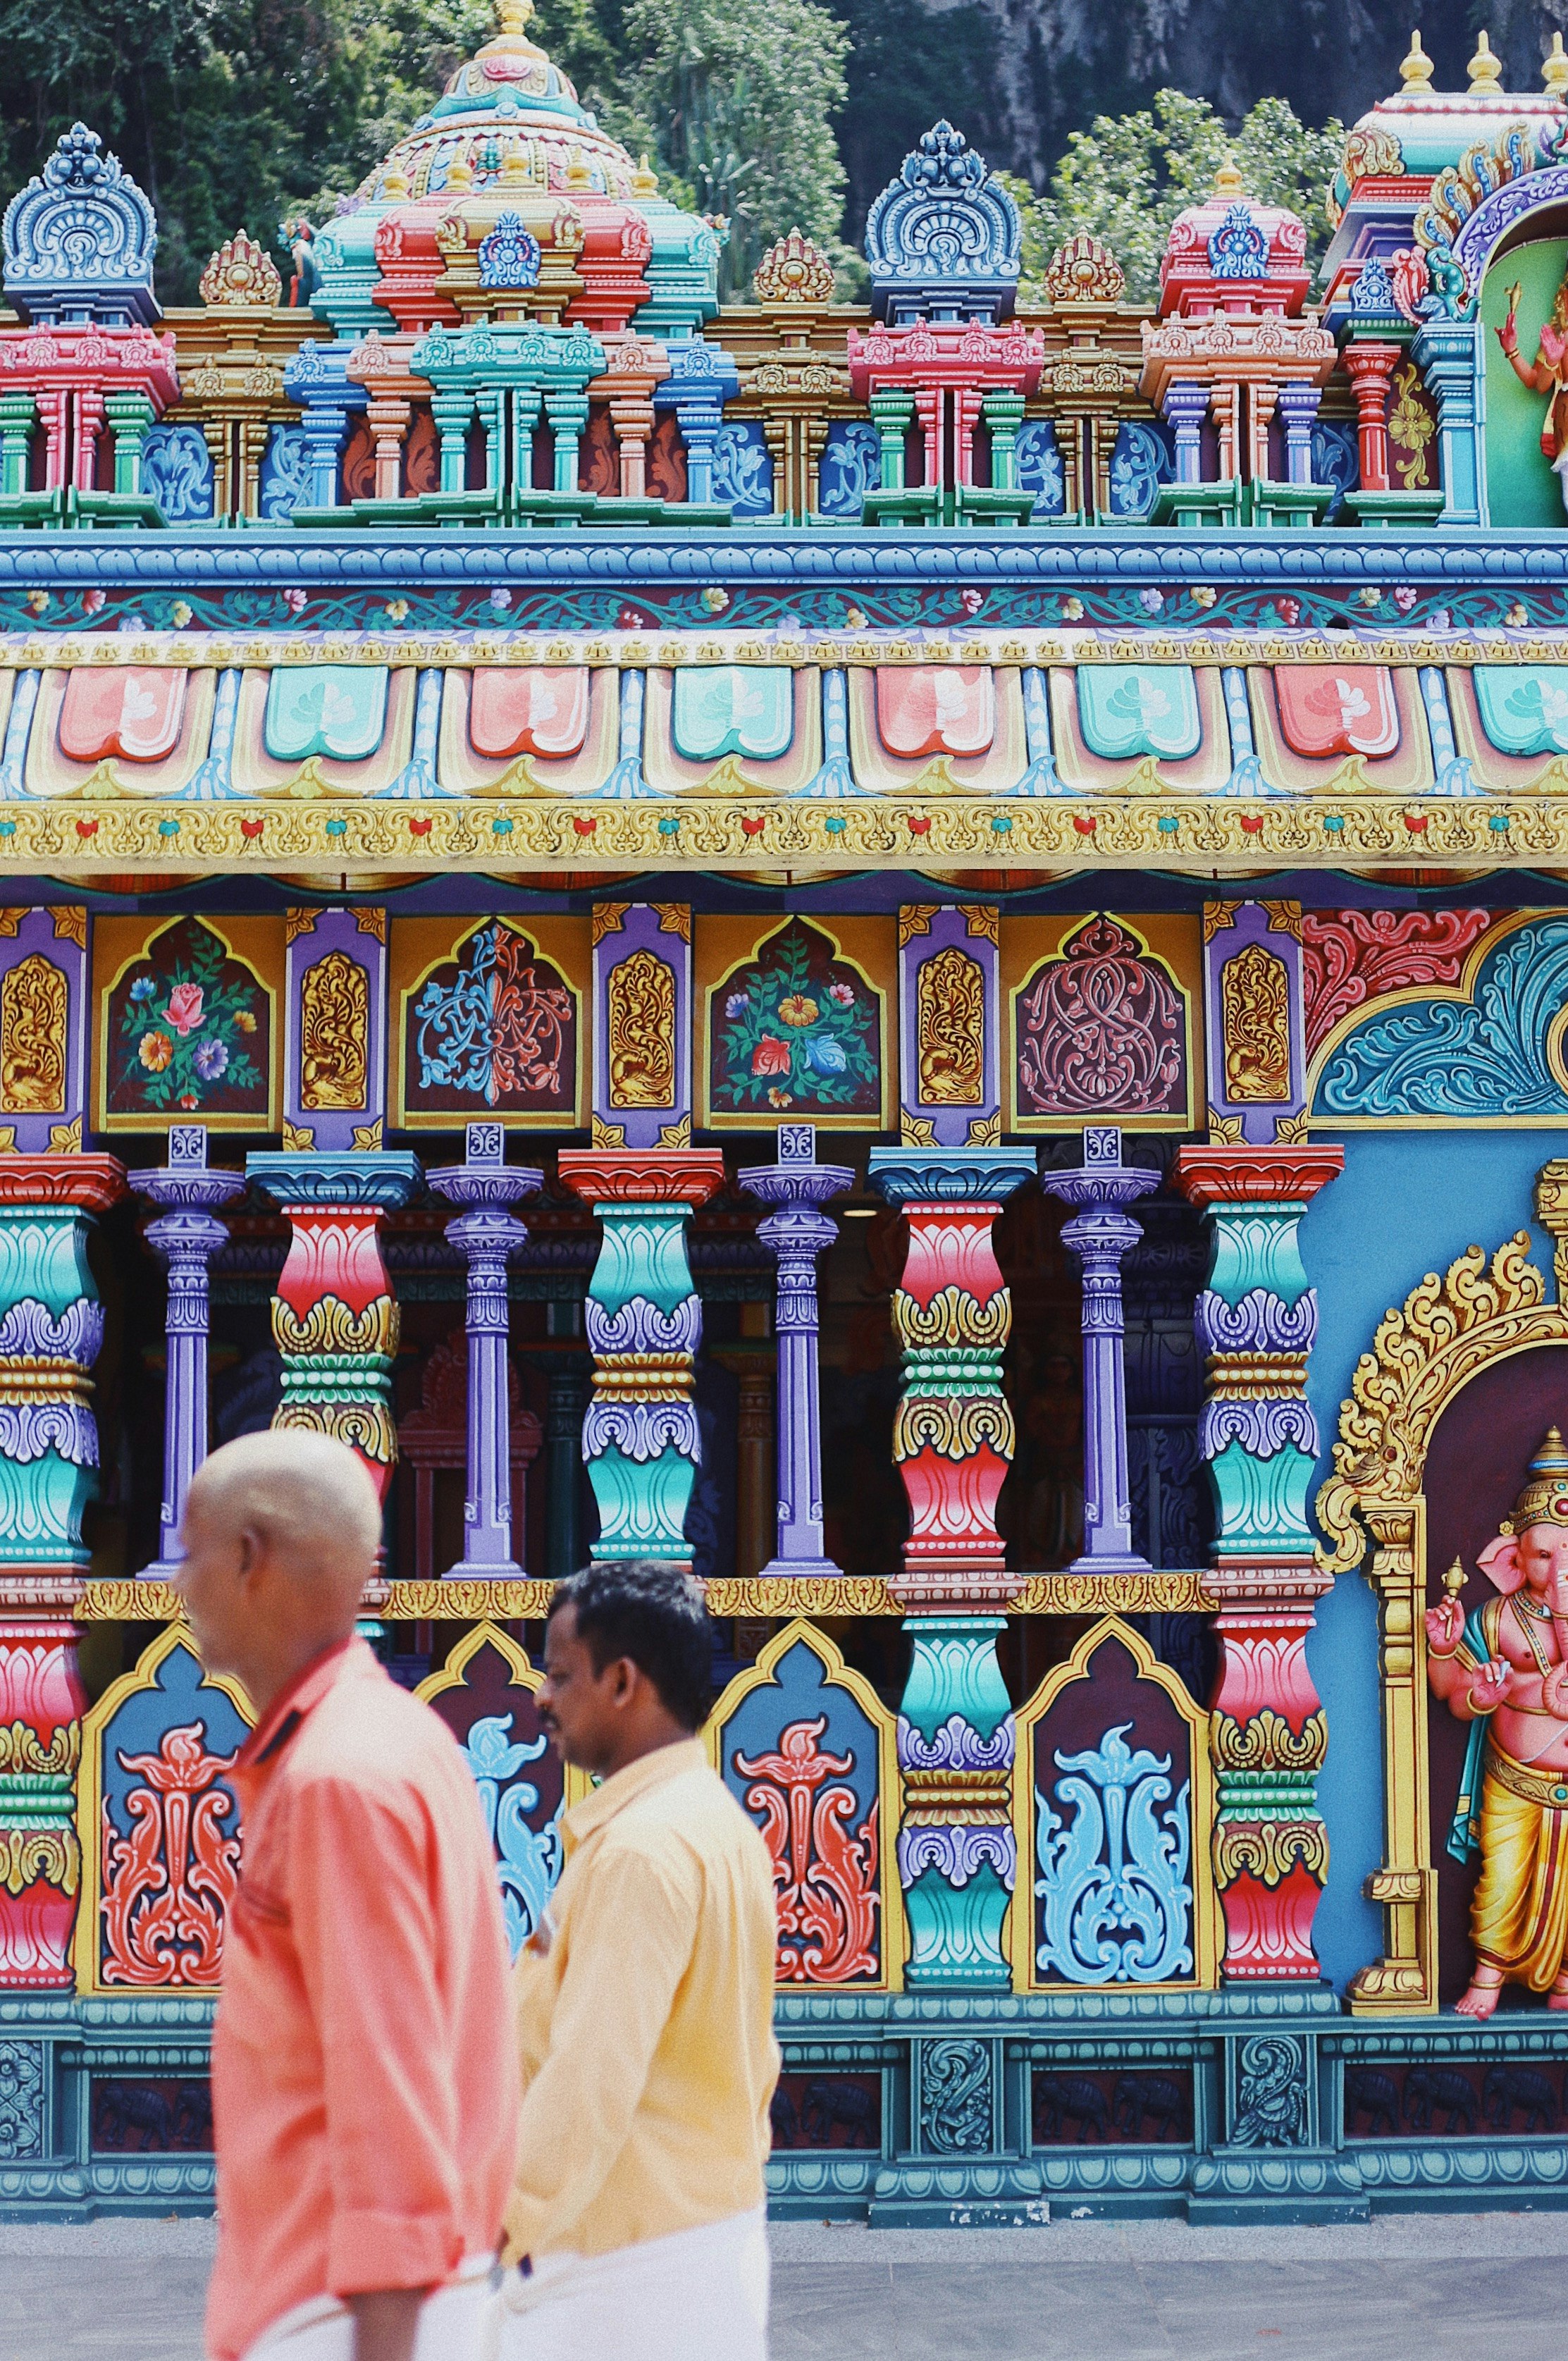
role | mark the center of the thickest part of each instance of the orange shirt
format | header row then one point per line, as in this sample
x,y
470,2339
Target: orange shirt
x,y
364,2085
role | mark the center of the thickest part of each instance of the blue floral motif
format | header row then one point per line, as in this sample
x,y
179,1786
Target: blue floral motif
x,y
285,474
177,472
1238,248
1140,464
1040,467
509,255
529,1859
851,467
1117,1902
1336,460
1483,1058
743,469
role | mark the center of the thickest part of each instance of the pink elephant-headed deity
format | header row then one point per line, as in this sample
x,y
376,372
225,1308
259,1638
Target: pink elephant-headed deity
x,y
1504,1669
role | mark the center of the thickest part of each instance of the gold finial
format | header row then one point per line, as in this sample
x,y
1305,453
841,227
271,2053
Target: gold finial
x,y
1228,181
1485,70
1554,71
1455,1579
513,16
644,182
394,183
516,169
459,177
577,173
1416,71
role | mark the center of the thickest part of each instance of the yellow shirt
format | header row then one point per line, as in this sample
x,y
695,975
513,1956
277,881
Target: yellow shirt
x,y
644,2010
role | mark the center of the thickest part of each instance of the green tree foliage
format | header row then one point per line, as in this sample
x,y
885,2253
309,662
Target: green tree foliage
x,y
1125,179
738,99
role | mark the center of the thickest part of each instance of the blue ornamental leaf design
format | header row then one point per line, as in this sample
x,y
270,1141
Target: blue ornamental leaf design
x,y
1481,1059
1141,462
1115,1884
1039,467
1238,248
528,1859
851,467
177,472
743,469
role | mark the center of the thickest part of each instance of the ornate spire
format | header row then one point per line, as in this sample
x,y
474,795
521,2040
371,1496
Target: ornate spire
x,y
794,271
1554,70
1416,71
240,272
1486,71
1084,272
1228,181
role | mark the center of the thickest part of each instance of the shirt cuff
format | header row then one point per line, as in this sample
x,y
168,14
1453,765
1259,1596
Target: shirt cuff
x,y
368,2251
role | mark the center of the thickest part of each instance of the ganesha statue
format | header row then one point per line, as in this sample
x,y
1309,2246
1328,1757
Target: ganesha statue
x,y
1504,1669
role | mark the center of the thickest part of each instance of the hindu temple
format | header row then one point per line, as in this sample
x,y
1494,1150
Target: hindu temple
x,y
914,954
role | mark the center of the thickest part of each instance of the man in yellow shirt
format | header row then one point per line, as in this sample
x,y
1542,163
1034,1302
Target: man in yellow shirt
x,y
645,2003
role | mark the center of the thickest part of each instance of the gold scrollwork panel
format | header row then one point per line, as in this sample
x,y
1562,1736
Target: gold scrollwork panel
x,y
1423,1354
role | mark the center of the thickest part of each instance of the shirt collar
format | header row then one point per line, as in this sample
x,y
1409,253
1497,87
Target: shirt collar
x,y
639,1778
306,1690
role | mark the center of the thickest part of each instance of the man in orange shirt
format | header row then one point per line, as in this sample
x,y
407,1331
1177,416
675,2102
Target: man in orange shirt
x,y
365,2088
644,2005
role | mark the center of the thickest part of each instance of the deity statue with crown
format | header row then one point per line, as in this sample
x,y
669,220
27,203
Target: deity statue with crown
x,y
1505,1670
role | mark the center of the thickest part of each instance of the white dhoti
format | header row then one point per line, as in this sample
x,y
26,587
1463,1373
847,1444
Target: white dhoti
x,y
451,2323
701,2295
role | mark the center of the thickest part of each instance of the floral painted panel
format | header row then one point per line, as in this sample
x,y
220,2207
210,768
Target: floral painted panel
x,y
492,1029
796,1028
188,1031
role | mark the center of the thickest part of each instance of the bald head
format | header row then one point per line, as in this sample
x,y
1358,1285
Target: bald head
x,y
280,1532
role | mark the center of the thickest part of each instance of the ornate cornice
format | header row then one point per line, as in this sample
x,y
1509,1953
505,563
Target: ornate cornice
x,y
648,1176
93,1183
1254,1176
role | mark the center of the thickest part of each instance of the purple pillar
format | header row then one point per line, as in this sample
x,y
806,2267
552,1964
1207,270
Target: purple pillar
x,y
1099,1235
485,1235
1299,408
186,1238
796,1234
1186,406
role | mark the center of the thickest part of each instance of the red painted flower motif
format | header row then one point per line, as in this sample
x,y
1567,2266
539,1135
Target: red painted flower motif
x,y
583,827
185,1009
771,1056
252,828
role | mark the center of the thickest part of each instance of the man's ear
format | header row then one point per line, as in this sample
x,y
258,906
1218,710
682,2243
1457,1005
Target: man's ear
x,y
250,1552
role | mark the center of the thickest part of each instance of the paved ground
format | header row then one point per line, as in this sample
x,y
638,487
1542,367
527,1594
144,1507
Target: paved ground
x,y
1425,2288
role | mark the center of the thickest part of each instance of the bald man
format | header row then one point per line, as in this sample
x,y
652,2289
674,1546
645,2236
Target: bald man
x,y
364,2088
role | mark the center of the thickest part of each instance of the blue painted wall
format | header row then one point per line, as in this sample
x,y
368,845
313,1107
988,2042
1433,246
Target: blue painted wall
x,y
1407,1202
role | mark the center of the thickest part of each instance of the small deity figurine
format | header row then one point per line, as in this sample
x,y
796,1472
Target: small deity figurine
x,y
1504,1669
1547,374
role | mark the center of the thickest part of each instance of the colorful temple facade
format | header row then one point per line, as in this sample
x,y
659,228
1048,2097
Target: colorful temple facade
x,y
915,955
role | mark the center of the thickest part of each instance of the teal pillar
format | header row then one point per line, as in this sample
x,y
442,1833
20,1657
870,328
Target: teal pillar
x,y
956,1855
51,1326
643,1318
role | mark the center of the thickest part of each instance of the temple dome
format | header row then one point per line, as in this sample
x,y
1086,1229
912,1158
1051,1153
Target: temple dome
x,y
1232,253
509,98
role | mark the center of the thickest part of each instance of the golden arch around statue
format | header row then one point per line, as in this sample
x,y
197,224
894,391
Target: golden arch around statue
x,y
1447,1335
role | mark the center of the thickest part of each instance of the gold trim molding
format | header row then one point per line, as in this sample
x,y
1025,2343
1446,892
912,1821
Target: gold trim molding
x,y
1218,835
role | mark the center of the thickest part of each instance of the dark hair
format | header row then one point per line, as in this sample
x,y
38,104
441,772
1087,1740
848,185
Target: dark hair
x,y
652,1613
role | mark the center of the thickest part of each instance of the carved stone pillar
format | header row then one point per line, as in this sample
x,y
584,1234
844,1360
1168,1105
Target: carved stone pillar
x,y
334,1319
1370,368
644,1322
570,1382
796,1234
484,1235
1257,1320
953,1440
753,1465
41,1704
1100,1234
51,1325
186,1236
